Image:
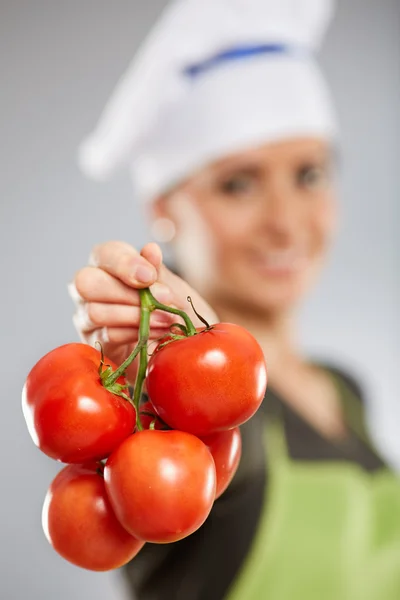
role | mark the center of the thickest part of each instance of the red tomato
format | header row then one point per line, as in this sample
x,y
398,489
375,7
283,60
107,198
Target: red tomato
x,y
226,449
70,415
80,524
161,484
211,381
148,415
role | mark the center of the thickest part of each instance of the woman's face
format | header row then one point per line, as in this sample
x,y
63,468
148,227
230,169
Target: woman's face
x,y
254,227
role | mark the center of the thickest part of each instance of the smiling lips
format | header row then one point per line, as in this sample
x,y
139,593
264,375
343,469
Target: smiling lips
x,y
281,262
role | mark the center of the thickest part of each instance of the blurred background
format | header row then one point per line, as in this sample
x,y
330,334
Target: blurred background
x,y
59,62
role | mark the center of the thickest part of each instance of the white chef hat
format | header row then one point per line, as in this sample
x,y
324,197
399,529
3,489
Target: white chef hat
x,y
213,77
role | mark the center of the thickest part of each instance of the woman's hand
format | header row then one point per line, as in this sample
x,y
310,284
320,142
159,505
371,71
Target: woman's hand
x,y
107,299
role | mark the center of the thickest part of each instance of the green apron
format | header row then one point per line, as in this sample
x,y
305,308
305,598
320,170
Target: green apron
x,y
328,531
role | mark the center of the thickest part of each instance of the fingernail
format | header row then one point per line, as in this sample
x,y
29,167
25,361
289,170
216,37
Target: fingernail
x,y
161,292
145,274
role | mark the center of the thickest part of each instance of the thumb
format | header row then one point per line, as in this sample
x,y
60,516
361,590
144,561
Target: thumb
x,y
152,253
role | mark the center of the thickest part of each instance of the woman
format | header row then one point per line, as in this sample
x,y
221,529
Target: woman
x,y
230,134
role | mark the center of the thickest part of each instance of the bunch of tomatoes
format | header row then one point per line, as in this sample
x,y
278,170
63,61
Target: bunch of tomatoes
x,y
147,470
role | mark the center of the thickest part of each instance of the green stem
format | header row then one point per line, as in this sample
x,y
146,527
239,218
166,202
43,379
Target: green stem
x,y
122,368
155,304
109,379
146,308
148,303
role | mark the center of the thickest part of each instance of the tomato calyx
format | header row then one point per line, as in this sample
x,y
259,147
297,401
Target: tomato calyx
x,y
109,378
178,326
167,339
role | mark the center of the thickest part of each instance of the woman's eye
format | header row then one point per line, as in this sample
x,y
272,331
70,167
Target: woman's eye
x,y
237,185
312,177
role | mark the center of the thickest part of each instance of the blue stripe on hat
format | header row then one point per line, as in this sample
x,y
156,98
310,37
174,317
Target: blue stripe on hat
x,y
237,53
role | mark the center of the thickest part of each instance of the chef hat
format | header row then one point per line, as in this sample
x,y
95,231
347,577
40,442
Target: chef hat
x,y
212,78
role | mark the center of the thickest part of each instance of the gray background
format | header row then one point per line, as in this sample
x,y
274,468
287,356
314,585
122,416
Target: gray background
x,y
58,63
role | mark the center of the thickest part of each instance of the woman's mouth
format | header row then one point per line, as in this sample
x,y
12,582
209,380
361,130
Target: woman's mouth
x,y
280,262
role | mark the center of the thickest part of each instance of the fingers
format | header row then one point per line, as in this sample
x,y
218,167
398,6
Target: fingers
x,y
120,336
96,315
125,263
95,285
107,301
152,253
106,295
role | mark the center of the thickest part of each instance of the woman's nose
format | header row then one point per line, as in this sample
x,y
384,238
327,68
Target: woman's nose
x,y
280,212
